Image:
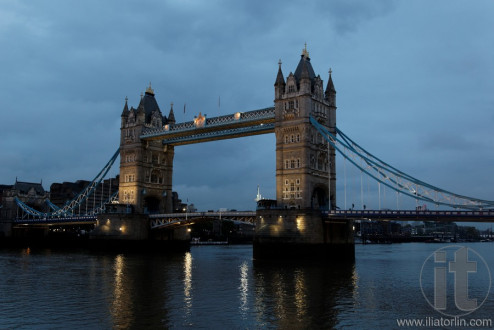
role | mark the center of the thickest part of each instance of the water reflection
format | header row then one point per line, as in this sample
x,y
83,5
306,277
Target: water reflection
x,y
139,291
121,307
302,296
188,283
244,289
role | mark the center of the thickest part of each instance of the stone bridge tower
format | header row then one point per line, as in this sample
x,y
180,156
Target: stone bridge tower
x,y
303,157
146,167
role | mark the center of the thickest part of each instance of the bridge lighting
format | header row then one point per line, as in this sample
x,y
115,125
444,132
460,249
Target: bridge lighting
x,y
189,230
300,223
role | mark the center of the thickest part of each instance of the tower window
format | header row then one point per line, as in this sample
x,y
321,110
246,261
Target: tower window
x,y
291,89
298,137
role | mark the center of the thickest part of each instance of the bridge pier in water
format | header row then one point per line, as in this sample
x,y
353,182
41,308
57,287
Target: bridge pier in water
x,y
302,234
132,231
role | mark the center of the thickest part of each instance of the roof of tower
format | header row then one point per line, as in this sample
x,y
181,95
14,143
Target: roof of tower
x,y
148,102
304,68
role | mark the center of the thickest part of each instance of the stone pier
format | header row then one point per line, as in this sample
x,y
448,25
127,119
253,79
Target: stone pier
x,y
302,234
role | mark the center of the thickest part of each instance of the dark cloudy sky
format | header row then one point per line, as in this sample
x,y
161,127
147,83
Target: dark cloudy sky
x,y
415,83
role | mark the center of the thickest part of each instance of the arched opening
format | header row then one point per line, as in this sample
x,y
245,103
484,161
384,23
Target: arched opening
x,y
151,204
319,200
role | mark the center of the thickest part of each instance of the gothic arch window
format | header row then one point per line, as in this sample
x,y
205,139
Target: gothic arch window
x,y
292,138
286,138
298,137
298,162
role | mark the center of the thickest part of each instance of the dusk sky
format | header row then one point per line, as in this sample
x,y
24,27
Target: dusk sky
x,y
414,81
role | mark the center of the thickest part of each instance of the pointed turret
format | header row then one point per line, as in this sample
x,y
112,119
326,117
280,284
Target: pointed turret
x,y
141,113
125,112
171,115
330,90
279,85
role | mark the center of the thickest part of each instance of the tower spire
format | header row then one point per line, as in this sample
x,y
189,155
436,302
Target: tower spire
x,y
330,90
125,111
305,53
171,115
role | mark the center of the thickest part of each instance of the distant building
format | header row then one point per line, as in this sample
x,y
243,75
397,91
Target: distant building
x,y
30,193
62,193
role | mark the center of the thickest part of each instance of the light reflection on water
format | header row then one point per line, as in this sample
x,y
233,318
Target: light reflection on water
x,y
211,287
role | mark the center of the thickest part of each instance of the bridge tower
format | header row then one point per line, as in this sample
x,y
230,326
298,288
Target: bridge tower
x,y
303,158
305,174
146,167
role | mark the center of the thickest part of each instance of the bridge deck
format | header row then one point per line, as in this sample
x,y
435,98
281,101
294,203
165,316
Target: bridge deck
x,y
57,221
413,215
184,219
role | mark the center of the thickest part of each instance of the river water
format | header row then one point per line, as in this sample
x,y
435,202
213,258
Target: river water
x,y
214,287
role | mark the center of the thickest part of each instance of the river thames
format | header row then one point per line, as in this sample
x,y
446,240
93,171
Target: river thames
x,y
214,287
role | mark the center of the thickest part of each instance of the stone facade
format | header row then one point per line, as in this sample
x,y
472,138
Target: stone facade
x,y
303,157
146,167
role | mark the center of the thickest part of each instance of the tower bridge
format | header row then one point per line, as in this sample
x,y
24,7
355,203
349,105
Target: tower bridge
x,y
303,220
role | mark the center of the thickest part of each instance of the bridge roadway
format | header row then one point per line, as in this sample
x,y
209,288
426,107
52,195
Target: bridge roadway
x,y
248,217
183,219
412,215
75,220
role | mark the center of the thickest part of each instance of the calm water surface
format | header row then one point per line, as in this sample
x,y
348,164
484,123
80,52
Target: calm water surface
x,y
216,287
